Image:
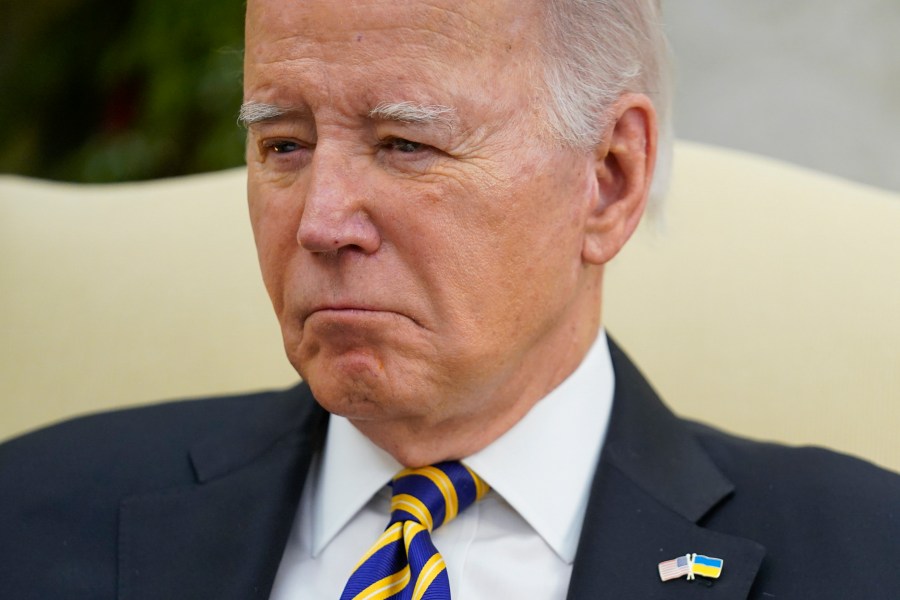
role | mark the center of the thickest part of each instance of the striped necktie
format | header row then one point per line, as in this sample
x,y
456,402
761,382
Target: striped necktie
x,y
403,563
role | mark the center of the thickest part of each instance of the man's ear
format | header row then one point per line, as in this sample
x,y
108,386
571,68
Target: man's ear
x,y
623,165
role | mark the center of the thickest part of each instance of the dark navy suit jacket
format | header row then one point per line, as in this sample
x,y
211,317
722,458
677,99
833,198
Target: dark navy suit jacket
x,y
194,500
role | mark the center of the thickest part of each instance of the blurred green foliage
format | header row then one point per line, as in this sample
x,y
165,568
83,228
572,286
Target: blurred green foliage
x,y
114,90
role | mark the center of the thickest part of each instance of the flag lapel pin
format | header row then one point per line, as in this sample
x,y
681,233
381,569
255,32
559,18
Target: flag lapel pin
x,y
691,565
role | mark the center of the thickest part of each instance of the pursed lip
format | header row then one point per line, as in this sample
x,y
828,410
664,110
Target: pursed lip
x,y
351,309
340,306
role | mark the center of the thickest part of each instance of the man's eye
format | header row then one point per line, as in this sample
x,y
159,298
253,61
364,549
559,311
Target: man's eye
x,y
282,146
404,146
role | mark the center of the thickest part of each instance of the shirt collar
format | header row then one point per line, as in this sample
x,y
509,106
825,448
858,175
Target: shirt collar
x,y
555,446
353,469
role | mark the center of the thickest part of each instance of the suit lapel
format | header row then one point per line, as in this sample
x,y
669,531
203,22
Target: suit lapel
x,y
223,537
653,484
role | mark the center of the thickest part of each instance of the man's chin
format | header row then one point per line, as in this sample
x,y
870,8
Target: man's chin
x,y
350,385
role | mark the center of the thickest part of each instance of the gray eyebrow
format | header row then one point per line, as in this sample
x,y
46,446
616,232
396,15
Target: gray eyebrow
x,y
256,112
412,112
405,112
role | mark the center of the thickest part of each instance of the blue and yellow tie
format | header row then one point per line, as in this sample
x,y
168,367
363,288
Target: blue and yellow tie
x,y
403,563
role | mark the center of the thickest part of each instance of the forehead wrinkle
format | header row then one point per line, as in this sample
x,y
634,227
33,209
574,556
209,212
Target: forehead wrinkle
x,y
295,57
445,21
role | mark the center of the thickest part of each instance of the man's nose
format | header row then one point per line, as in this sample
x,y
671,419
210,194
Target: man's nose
x,y
337,207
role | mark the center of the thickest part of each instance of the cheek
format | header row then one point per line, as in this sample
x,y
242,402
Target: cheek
x,y
540,219
534,252
470,249
273,219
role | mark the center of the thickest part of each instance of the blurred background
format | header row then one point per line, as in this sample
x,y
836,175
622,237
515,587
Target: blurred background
x,y
813,82
117,90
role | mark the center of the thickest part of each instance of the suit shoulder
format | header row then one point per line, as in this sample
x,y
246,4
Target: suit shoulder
x,y
113,444
62,486
805,471
818,513
791,497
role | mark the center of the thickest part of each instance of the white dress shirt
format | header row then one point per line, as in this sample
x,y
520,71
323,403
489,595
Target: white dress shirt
x,y
518,542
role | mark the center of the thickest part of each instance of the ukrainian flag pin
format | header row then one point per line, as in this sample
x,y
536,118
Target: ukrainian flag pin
x,y
691,565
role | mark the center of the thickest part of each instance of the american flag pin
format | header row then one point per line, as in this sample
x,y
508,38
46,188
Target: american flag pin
x,y
691,565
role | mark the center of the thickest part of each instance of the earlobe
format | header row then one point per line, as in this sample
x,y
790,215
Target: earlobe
x,y
624,161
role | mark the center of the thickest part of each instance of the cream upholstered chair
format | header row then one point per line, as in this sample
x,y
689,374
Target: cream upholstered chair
x,y
770,306
128,293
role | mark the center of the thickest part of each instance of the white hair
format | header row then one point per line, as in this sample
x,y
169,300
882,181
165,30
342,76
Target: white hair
x,y
596,50
257,112
412,112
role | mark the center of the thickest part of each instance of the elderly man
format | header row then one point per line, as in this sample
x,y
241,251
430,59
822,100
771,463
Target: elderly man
x,y
435,188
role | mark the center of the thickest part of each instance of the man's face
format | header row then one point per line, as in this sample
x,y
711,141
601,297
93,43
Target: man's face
x,y
424,268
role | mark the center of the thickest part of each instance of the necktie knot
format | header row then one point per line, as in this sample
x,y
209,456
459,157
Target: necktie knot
x,y
404,563
434,495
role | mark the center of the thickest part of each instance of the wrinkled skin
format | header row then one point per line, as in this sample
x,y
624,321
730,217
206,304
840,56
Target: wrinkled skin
x,y
432,280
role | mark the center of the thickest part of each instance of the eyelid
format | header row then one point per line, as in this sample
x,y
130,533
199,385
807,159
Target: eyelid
x,y
295,156
283,130
391,141
271,144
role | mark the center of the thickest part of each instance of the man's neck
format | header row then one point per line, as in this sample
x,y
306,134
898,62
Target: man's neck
x,y
420,442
